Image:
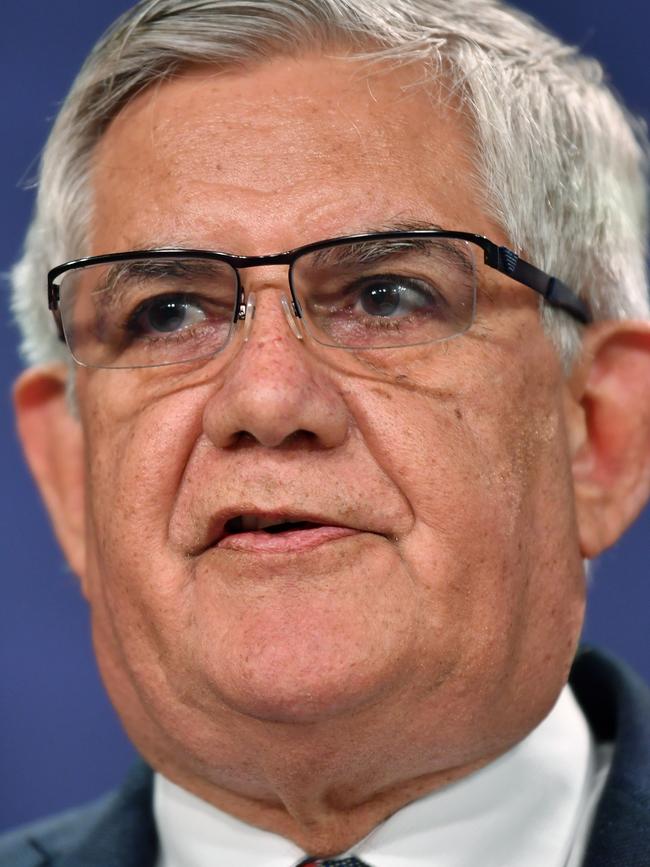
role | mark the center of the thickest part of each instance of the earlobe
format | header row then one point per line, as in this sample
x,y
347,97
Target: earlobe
x,y
611,454
52,440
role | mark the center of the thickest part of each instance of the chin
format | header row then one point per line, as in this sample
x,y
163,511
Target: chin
x,y
292,706
302,687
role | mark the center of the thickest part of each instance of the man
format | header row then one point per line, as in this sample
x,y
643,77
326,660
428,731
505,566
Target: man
x,y
331,507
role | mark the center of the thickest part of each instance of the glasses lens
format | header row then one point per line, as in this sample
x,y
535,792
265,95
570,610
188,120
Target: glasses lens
x,y
147,312
389,292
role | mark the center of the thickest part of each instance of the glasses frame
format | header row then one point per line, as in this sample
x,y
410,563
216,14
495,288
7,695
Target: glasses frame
x,y
501,259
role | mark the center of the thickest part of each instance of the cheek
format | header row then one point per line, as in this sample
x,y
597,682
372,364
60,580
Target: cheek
x,y
138,590
484,449
136,456
483,466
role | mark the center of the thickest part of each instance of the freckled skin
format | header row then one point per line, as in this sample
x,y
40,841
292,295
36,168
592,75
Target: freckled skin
x,y
314,694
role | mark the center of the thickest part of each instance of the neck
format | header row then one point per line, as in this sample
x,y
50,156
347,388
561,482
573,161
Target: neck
x,y
539,784
323,820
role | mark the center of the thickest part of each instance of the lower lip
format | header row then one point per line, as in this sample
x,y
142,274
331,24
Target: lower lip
x,y
291,542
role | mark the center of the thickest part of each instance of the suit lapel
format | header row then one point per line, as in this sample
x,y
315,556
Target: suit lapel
x,y
123,836
617,705
615,701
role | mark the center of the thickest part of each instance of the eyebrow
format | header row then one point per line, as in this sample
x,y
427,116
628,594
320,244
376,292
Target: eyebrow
x,y
113,285
391,225
383,248
111,288
407,226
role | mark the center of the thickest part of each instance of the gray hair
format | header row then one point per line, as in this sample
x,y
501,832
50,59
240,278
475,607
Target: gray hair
x,y
562,166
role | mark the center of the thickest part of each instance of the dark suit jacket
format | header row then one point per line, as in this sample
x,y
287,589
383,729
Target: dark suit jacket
x,y
119,831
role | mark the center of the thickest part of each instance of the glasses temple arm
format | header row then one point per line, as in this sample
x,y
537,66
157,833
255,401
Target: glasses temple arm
x,y
553,290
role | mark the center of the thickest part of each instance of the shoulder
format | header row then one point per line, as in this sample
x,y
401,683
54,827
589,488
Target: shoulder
x,y
614,698
617,704
38,842
117,829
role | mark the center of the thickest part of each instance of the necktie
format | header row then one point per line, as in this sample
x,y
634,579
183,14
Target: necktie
x,y
352,861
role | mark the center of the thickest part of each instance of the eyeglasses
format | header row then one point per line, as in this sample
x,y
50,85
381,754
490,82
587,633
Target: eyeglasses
x,y
383,290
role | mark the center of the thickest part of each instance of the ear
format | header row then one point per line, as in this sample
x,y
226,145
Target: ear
x,y
610,431
52,440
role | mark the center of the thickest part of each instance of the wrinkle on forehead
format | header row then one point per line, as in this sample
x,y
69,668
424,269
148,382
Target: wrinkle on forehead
x,y
303,121
283,153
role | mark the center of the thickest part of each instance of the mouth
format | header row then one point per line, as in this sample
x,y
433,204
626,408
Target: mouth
x,y
277,533
255,523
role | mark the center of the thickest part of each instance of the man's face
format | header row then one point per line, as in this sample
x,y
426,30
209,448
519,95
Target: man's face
x,y
440,630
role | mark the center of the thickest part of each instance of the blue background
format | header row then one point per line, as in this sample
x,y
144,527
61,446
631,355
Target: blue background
x,y
60,741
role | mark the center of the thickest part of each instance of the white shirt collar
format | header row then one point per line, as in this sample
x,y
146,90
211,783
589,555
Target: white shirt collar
x,y
527,807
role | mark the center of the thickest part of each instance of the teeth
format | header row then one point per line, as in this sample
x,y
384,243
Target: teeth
x,y
262,525
249,523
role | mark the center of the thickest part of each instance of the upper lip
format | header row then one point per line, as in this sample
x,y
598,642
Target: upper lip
x,y
217,529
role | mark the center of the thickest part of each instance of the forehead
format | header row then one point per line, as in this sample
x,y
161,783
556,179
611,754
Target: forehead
x,y
286,152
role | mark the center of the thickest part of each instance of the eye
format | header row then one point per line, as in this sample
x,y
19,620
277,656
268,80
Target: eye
x,y
393,296
166,314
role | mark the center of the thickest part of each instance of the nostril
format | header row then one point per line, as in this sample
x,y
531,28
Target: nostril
x,y
300,437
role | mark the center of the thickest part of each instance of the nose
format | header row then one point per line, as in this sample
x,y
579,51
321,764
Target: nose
x,y
275,391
